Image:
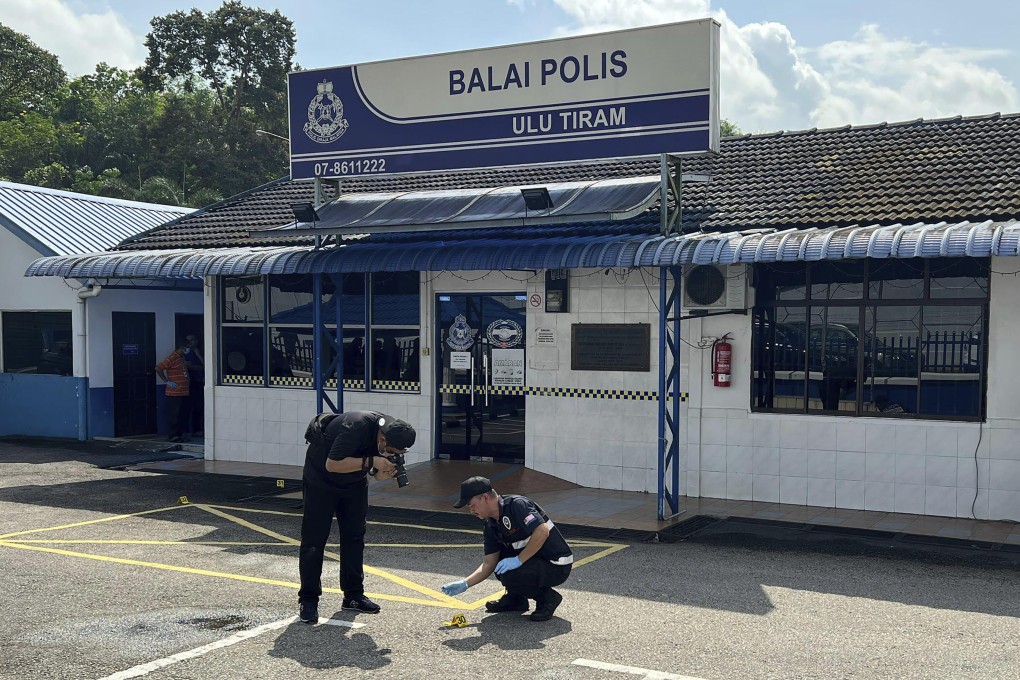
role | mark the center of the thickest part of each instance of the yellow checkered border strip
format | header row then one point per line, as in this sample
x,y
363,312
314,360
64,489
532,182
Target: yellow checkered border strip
x,y
242,380
579,392
382,385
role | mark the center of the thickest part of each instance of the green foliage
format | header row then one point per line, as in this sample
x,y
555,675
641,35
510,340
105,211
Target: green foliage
x,y
29,75
728,129
52,176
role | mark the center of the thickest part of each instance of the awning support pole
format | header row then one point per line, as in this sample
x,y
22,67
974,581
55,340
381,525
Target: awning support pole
x,y
322,339
669,392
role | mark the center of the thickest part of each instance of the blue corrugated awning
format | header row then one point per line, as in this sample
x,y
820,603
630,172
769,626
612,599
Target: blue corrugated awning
x,y
961,239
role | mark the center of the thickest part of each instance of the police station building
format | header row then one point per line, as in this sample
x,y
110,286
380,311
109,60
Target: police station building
x,y
614,296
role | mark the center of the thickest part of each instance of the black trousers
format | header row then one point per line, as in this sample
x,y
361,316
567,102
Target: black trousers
x,y
534,578
178,413
350,509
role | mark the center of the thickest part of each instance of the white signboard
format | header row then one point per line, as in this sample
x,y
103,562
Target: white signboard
x,y
508,368
638,92
460,360
545,336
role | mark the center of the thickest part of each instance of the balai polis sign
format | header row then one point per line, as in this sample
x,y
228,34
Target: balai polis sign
x,y
638,92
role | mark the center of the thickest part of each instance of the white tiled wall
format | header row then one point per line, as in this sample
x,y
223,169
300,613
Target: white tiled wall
x,y
921,467
267,425
603,443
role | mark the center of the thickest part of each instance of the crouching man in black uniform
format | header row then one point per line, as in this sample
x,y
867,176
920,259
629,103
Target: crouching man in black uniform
x,y
522,546
353,445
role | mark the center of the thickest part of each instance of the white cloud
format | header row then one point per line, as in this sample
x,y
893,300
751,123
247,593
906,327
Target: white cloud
x,y
80,41
769,82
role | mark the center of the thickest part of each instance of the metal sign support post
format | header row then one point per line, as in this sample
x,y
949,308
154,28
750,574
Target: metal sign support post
x,y
669,392
322,339
669,346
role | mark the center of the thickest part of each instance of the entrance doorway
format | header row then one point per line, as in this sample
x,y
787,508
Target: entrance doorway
x,y
134,373
481,376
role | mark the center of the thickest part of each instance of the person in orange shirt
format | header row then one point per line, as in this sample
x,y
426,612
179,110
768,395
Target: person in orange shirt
x,y
173,370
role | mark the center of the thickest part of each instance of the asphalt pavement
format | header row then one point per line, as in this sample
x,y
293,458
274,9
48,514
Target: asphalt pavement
x,y
113,573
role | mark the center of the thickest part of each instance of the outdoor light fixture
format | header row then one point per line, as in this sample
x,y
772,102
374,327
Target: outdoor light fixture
x,y
304,212
537,198
266,133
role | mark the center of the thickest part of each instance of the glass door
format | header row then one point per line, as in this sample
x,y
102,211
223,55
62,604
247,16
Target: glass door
x,y
481,376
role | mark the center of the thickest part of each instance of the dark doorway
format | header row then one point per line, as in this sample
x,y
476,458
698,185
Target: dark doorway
x,y
134,374
186,325
481,376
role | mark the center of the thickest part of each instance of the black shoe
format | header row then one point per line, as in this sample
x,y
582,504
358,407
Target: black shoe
x,y
507,603
309,612
545,608
361,603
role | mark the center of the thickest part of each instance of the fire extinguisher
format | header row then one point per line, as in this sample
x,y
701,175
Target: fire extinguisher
x,y
722,361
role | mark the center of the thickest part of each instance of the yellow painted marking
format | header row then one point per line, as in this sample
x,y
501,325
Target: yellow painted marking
x,y
411,585
437,598
139,542
216,574
91,521
599,555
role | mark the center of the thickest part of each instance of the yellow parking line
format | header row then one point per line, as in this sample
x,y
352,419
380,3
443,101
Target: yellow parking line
x,y
91,521
51,541
411,585
216,574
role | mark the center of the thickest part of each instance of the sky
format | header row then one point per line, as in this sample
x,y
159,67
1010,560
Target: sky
x,y
785,64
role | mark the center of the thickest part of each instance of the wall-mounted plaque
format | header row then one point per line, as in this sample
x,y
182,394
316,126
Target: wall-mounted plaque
x,y
610,347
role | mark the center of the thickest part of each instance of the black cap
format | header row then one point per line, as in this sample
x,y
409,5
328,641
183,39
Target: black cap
x,y
470,488
399,433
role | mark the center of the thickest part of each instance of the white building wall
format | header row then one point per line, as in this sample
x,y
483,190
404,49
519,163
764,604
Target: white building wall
x,y
909,466
42,293
595,442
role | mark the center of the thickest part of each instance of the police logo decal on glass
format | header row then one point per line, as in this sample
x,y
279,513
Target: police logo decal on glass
x,y
461,336
504,333
326,121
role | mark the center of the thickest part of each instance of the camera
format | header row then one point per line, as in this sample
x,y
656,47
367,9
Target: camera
x,y
401,476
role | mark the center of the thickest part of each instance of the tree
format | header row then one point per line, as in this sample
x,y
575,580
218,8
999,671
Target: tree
x,y
728,129
29,75
242,53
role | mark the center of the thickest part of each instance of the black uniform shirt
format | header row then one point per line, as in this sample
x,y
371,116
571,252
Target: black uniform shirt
x,y
519,516
353,434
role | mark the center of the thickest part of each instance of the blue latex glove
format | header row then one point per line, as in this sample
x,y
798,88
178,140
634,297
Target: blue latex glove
x,y
455,587
508,564
171,384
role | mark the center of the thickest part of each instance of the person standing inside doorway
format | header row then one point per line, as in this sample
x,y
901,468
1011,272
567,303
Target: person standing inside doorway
x,y
196,373
173,370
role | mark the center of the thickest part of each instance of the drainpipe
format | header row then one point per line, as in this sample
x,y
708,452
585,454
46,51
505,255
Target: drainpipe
x,y
91,290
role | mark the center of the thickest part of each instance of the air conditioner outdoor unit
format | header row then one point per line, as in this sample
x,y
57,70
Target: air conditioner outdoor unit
x,y
713,288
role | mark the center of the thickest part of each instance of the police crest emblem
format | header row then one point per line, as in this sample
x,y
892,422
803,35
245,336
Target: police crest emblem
x,y
504,333
326,121
461,335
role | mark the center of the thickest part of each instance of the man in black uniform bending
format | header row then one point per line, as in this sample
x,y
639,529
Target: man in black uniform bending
x,y
522,546
354,445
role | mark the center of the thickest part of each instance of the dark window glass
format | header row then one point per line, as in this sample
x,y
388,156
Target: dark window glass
x,y
843,280
781,281
243,300
916,347
354,354
832,358
952,354
353,299
896,280
959,278
242,352
290,299
290,353
779,360
395,299
892,363
37,342
395,355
